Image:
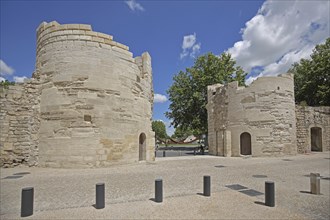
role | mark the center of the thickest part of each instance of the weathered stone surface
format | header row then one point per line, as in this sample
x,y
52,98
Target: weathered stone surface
x,y
87,104
310,117
19,123
266,110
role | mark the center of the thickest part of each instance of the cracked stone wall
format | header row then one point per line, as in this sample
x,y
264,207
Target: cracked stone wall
x,y
307,118
19,124
265,109
96,99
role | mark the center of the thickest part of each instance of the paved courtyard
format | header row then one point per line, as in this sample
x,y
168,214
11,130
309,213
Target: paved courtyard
x,y
237,189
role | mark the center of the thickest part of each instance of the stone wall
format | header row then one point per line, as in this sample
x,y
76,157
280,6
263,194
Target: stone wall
x,y
265,110
307,118
19,123
217,119
96,99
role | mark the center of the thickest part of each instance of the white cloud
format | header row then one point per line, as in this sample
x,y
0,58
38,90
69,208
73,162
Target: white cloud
x,y
189,46
195,50
134,6
280,34
169,128
249,80
170,131
19,79
5,69
189,41
159,98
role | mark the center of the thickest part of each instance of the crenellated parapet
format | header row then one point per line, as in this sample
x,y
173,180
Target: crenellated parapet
x,y
54,36
51,32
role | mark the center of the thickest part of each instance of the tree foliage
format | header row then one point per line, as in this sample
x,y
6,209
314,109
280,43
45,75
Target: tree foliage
x,y
188,93
182,133
6,83
159,128
312,77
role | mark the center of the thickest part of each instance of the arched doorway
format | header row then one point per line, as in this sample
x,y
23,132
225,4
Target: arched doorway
x,y
245,141
142,147
316,139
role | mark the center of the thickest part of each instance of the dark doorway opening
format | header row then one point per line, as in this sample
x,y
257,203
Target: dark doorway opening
x,y
245,141
142,147
316,139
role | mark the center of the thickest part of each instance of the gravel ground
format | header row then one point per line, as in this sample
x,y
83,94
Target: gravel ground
x,y
70,193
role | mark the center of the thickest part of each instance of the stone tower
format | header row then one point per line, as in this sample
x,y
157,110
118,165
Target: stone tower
x,y
258,120
96,100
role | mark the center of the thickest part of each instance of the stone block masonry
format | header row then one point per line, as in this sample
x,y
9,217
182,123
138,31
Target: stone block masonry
x,y
263,120
19,124
91,103
313,128
258,120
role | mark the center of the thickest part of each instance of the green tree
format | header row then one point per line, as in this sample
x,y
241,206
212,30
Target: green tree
x,y
159,128
188,93
181,133
6,83
312,77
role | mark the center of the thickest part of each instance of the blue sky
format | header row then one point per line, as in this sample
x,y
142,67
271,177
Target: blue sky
x,y
265,37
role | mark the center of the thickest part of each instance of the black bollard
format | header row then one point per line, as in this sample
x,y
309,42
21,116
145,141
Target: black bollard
x,y
164,154
27,201
270,193
100,198
159,190
207,186
194,152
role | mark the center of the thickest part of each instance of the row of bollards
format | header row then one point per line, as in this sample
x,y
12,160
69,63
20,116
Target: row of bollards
x,y
27,198
28,195
159,188
180,153
269,190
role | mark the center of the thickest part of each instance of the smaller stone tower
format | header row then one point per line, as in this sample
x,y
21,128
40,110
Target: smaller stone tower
x,y
258,120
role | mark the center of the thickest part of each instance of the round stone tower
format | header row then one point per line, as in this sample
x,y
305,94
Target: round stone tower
x,y
258,120
96,99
